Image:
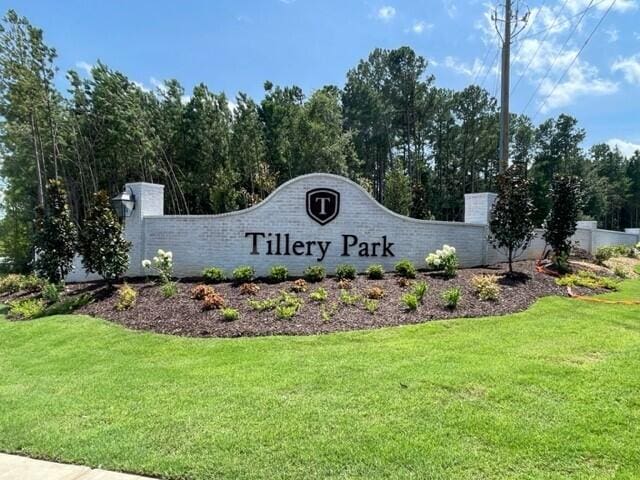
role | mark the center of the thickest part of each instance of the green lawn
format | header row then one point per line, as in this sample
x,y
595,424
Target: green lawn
x,y
550,393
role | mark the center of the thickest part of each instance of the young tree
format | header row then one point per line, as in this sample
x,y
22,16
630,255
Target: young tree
x,y
103,248
56,235
566,200
512,225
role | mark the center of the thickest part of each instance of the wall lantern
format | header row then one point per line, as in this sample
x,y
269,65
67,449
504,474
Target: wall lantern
x,y
124,203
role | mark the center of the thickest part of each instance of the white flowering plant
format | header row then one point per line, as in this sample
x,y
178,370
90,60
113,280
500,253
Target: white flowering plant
x,y
162,264
444,260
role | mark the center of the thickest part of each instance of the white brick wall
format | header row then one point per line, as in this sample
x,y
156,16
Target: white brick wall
x,y
200,241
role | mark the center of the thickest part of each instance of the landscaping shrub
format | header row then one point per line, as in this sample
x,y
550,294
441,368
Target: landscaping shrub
x,y
588,279
452,297
102,245
486,287
200,291
371,305
444,260
278,273
169,289
14,283
561,223
410,301
287,306
26,309
406,269
345,284
213,275
161,264
68,305
419,290
375,272
605,253
243,274
230,314
327,312
620,272
512,221
375,293
55,235
348,298
249,289
31,283
319,295
299,286
263,305
126,297
314,273
213,301
51,292
345,272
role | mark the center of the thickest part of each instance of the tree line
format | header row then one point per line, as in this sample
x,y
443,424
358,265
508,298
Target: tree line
x,y
416,147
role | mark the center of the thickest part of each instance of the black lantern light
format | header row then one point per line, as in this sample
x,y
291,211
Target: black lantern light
x,y
124,203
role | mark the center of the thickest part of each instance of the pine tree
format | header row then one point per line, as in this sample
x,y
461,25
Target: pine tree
x,y
102,246
56,235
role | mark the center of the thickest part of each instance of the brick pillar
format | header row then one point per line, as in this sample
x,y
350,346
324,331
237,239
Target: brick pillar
x,y
477,207
149,199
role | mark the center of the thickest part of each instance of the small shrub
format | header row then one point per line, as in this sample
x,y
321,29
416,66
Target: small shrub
x,y
444,260
452,297
11,283
263,305
620,272
68,305
278,273
51,292
419,290
285,312
588,279
299,286
249,289
200,291
288,306
230,314
406,269
213,275
375,272
410,301
31,283
126,297
348,298
162,264
243,274
213,301
375,293
26,309
371,305
328,311
169,289
345,272
605,253
319,295
345,284
486,287
314,273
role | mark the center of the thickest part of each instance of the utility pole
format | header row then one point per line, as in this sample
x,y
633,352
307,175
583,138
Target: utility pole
x,y
506,38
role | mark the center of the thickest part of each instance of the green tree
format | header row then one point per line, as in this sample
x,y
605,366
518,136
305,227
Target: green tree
x,y
560,225
102,245
56,234
512,226
397,190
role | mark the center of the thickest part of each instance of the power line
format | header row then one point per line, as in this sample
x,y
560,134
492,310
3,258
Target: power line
x,y
553,64
537,49
535,17
482,66
492,66
586,42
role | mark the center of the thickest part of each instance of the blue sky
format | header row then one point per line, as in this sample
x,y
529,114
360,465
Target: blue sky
x,y
236,45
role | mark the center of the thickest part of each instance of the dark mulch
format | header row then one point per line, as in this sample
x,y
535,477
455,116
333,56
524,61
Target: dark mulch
x,y
180,315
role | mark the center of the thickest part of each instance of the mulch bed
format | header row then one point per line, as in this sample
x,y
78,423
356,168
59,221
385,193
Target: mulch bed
x,y
181,315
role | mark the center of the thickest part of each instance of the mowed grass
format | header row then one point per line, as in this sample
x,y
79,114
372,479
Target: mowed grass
x,y
553,392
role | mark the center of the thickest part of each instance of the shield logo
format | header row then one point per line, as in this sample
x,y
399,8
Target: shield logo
x,y
323,204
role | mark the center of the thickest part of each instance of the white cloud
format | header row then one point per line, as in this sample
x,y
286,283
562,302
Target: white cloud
x,y
626,148
386,13
420,26
576,6
141,86
630,68
158,84
462,68
612,35
82,65
636,35
450,8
